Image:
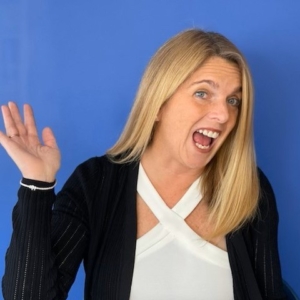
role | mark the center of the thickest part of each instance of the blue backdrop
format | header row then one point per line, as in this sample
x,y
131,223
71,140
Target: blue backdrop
x,y
79,64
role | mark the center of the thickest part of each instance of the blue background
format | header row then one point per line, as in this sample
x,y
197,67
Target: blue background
x,y
79,64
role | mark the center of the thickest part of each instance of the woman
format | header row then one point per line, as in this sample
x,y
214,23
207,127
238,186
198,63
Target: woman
x,y
176,209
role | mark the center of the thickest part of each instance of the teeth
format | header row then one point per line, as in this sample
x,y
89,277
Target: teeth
x,y
215,135
211,134
201,146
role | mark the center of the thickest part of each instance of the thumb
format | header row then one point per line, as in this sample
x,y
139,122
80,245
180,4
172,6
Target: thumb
x,y
49,138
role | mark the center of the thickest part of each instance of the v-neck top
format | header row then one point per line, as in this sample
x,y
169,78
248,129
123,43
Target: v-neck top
x,y
172,261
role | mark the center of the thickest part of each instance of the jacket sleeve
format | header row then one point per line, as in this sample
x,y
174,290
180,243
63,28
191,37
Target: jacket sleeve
x,y
50,238
264,250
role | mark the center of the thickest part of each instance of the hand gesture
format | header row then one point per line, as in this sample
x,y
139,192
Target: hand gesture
x,y
36,160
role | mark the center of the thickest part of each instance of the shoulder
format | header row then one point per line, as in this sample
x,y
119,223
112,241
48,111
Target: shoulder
x,y
87,175
267,202
262,228
100,171
97,177
264,223
95,166
103,166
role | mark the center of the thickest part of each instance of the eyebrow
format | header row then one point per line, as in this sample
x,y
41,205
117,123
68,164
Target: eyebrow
x,y
210,82
215,85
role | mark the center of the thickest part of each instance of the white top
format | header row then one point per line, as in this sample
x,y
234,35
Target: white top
x,y
173,262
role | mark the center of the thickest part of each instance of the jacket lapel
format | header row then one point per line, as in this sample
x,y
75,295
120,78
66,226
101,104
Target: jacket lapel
x,y
130,230
244,281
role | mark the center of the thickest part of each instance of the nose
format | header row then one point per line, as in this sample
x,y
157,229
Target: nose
x,y
219,111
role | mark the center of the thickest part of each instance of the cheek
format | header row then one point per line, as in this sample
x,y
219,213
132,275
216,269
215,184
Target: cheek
x,y
177,118
234,118
231,124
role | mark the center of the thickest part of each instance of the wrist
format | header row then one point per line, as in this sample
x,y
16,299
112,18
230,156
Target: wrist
x,y
39,177
39,183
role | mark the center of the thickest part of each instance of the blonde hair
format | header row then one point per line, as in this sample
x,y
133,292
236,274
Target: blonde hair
x,y
230,181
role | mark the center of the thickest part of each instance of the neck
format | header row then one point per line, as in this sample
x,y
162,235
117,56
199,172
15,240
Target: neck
x,y
169,178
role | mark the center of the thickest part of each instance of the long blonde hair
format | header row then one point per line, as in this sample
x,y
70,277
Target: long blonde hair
x,y
230,181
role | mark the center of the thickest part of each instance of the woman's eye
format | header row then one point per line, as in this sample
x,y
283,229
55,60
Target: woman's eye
x,y
234,102
201,94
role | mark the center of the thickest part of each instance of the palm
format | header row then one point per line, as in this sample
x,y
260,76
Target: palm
x,y
35,160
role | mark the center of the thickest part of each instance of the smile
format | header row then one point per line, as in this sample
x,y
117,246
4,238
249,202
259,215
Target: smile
x,y
204,138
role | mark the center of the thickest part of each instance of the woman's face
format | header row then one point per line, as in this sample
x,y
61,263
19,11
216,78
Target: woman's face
x,y
196,120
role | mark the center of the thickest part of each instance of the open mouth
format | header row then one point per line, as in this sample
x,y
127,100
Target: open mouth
x,y
204,138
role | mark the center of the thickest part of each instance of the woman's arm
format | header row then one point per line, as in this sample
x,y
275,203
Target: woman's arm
x,y
47,245
264,236
50,237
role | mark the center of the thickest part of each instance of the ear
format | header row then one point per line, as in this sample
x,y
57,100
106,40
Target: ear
x,y
159,114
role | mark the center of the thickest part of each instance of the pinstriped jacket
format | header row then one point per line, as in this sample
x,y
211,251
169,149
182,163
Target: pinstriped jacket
x,y
93,219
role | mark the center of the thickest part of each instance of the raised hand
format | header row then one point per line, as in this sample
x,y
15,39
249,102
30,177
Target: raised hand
x,y
36,160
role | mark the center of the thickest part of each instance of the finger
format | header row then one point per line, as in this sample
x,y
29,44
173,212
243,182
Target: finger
x,y
29,120
15,113
3,138
49,138
9,123
7,143
17,153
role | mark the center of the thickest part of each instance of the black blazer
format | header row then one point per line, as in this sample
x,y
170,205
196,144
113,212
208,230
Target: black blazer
x,y
94,219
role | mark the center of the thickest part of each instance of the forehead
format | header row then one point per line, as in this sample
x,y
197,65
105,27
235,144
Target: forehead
x,y
218,70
